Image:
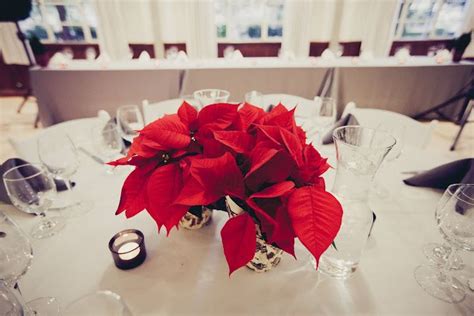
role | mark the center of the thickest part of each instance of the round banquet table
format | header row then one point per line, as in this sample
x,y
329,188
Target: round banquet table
x,y
186,273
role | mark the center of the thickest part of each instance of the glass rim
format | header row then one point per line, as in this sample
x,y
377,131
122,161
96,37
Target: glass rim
x,y
225,92
106,293
38,166
460,198
389,136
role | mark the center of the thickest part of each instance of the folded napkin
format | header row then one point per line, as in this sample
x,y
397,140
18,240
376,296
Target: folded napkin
x,y
144,56
32,185
459,171
346,120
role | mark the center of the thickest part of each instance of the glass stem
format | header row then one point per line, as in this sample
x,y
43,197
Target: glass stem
x,y
445,272
17,287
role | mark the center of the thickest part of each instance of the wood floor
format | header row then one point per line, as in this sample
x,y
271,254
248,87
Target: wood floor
x,y
20,125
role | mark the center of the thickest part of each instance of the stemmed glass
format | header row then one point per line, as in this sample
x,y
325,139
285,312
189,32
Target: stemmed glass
x,y
434,252
254,98
99,303
211,96
129,121
324,119
9,303
108,143
398,132
59,155
32,190
16,253
456,224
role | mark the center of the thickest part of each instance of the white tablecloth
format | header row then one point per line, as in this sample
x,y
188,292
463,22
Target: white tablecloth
x,y
81,88
186,273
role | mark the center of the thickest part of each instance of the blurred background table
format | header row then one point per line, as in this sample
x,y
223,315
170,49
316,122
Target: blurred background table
x,y
80,88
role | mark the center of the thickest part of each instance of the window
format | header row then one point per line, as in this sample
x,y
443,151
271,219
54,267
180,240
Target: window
x,y
249,20
56,21
430,19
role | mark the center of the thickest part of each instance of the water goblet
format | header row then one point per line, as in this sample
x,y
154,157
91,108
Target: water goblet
x,y
16,253
32,190
98,303
211,96
254,98
325,117
60,156
456,224
10,304
129,121
434,252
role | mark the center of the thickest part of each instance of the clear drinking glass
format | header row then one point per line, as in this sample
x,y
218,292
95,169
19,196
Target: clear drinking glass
x,y
98,303
59,155
324,119
437,253
456,224
254,98
360,151
32,190
16,253
10,304
129,121
399,132
211,96
43,306
108,143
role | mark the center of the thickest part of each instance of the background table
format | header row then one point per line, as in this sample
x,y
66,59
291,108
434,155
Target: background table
x,y
186,273
81,88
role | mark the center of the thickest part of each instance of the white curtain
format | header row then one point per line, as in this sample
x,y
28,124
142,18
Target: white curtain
x,y
200,29
11,47
368,21
297,27
111,31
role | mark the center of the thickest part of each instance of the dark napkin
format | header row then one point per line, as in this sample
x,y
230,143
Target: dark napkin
x,y
459,171
32,185
347,119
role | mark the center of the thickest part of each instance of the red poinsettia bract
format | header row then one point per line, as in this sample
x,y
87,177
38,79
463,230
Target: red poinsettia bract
x,y
259,159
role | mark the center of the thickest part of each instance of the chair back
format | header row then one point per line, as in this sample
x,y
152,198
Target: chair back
x,y
416,134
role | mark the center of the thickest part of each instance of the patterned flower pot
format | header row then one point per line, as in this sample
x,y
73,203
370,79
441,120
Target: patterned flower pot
x,y
196,218
266,255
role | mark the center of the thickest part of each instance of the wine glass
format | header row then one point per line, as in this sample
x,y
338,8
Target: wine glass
x,y
98,303
436,253
59,155
32,190
16,253
129,121
10,304
211,96
48,306
108,143
399,133
456,224
254,98
324,119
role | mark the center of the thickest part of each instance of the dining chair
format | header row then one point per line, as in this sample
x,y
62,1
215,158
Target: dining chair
x,y
418,134
153,111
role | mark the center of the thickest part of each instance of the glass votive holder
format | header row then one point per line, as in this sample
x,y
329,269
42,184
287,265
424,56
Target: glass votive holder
x,y
128,249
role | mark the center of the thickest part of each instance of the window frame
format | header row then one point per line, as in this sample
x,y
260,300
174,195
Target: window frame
x,y
401,21
86,28
263,25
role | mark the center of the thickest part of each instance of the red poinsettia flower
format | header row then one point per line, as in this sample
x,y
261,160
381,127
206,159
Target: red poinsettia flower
x,y
260,159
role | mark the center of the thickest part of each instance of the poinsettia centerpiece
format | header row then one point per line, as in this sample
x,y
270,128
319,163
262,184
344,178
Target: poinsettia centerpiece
x,y
258,159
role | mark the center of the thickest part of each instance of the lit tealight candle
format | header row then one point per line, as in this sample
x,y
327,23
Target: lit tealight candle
x,y
128,249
